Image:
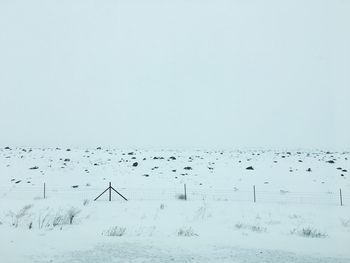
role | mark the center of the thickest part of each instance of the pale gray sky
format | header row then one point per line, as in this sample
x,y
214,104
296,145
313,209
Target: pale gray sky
x,y
185,73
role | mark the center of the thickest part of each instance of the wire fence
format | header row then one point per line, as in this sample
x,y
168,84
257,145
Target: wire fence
x,y
185,193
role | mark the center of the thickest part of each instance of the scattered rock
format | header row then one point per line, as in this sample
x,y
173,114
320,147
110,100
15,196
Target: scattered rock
x,y
250,168
309,170
188,168
34,168
135,164
75,186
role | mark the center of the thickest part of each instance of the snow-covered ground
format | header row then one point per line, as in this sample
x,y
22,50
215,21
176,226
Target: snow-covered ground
x,y
297,216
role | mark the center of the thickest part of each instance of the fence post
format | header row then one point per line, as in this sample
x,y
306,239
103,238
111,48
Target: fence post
x,y
110,191
254,194
44,190
341,197
185,191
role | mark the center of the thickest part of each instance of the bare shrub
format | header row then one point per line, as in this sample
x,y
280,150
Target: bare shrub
x,y
114,231
17,217
202,213
71,214
59,219
49,219
294,216
181,197
345,222
254,228
43,220
308,232
186,232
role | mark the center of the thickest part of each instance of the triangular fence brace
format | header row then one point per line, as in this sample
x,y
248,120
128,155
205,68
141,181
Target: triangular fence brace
x,y
109,189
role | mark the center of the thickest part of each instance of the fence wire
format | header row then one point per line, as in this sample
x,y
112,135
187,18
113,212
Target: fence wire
x,y
165,194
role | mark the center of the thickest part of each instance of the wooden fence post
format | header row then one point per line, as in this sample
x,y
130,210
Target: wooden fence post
x,y
341,197
110,191
254,194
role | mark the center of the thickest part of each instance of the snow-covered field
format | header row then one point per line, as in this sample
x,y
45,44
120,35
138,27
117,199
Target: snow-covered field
x,y
297,215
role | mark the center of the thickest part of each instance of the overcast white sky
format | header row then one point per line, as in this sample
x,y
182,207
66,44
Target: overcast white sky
x,y
185,73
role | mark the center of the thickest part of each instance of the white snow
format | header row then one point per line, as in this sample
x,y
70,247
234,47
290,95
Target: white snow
x,y
297,216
